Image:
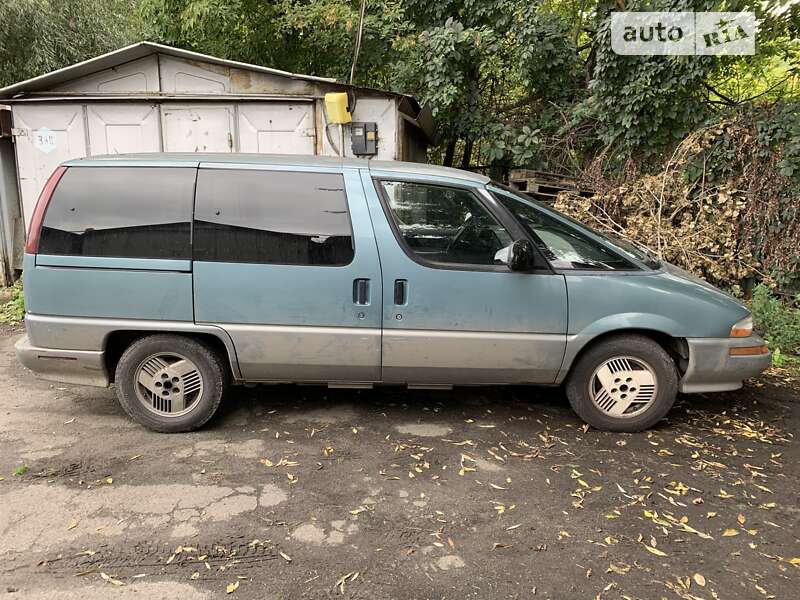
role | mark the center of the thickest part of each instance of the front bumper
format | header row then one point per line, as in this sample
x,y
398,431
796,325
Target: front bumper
x,y
711,367
83,367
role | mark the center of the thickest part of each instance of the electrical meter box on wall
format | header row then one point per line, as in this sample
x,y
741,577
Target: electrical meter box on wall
x,y
365,138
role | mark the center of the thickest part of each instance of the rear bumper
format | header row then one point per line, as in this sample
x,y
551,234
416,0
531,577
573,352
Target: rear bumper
x,y
711,367
82,367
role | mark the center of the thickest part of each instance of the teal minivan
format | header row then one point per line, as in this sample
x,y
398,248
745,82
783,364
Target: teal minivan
x,y
173,276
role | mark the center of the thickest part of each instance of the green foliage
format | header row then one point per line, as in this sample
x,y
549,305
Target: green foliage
x,y
779,320
13,310
511,82
38,36
21,470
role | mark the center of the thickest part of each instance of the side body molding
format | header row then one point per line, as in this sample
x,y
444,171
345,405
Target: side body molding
x,y
85,333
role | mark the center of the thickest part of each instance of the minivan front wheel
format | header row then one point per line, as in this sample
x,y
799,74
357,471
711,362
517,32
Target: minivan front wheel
x,y
624,383
170,383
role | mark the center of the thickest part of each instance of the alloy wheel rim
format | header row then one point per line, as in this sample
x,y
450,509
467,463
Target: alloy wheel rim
x,y
623,387
168,384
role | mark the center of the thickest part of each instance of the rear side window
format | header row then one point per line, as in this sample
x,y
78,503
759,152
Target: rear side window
x,y
126,212
272,217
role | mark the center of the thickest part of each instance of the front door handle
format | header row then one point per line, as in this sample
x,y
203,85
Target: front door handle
x,y
361,291
400,291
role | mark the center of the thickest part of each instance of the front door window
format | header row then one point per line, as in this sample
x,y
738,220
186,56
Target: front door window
x,y
444,225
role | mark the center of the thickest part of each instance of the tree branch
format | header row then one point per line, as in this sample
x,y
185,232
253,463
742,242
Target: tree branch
x,y
729,101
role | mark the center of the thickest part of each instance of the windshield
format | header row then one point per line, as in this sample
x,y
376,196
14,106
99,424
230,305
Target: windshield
x,y
565,245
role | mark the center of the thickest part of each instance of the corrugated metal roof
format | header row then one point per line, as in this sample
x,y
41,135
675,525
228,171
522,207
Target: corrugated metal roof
x,y
135,52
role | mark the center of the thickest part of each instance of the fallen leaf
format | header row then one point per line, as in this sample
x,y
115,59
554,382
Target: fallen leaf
x,y
111,580
285,557
699,579
497,545
232,587
72,524
655,551
729,533
741,518
618,569
195,575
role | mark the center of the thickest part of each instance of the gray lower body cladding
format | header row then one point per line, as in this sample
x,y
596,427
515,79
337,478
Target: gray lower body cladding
x,y
72,350
711,367
82,367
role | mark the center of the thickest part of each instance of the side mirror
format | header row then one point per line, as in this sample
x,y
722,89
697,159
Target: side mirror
x,y
518,256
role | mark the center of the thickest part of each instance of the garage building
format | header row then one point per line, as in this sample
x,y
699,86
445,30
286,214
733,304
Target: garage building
x,y
149,97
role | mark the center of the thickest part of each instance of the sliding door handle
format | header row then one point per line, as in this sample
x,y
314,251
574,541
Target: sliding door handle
x,y
400,291
361,291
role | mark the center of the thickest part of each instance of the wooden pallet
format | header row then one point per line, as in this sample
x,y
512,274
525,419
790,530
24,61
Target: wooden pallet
x,y
545,186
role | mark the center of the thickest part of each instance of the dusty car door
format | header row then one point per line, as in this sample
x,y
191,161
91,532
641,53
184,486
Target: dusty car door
x,y
285,261
451,313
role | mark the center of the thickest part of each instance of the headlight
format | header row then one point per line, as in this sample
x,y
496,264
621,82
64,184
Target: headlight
x,y
743,328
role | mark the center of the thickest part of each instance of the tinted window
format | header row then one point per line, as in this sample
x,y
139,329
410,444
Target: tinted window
x,y
138,212
443,224
272,217
565,246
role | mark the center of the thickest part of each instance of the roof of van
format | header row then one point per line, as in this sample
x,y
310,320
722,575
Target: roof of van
x,y
289,160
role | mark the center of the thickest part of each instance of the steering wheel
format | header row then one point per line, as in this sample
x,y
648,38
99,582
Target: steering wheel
x,y
469,222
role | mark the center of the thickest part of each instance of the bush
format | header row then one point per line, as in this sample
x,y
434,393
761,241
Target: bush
x,y
723,205
13,310
779,320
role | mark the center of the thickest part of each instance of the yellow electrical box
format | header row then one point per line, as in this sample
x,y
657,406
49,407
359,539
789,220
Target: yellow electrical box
x,y
336,107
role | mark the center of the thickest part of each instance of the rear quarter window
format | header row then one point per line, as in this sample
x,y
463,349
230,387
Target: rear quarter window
x,y
124,212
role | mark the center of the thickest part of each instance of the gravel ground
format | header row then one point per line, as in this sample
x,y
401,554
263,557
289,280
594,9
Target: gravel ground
x,y
303,492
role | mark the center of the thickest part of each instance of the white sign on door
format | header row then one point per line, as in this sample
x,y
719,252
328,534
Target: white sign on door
x,y
44,140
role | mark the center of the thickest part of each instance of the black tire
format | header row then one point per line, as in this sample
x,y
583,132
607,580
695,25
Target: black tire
x,y
210,365
628,345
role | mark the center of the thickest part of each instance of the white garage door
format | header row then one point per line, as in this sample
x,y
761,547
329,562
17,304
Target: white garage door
x,y
198,128
277,128
52,134
119,128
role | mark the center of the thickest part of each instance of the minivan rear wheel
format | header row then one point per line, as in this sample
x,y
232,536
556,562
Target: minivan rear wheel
x,y
170,383
625,383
